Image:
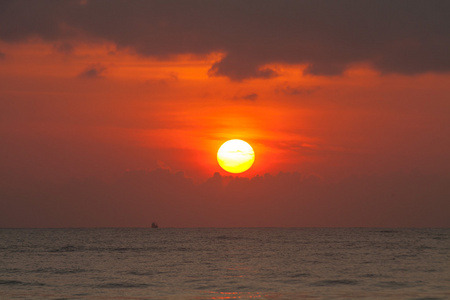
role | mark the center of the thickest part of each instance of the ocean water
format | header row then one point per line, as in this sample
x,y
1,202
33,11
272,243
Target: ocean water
x,y
241,263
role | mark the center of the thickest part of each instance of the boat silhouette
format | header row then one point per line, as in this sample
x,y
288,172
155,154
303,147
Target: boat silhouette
x,y
154,225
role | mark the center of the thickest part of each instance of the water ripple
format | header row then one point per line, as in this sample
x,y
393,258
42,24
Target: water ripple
x,y
335,282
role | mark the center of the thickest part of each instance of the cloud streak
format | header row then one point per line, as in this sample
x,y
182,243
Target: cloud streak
x,y
249,97
406,37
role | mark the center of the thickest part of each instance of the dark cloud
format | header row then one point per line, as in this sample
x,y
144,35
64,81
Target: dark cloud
x,y
286,199
402,36
93,72
240,68
2,55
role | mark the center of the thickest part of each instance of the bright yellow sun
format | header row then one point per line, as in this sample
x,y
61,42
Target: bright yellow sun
x,y
235,156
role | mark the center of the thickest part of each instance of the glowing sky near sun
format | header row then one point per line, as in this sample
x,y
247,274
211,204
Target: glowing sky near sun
x,y
154,88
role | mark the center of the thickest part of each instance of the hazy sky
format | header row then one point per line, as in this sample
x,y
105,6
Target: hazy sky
x,y
112,112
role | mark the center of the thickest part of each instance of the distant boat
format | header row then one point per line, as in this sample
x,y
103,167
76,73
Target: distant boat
x,y
154,225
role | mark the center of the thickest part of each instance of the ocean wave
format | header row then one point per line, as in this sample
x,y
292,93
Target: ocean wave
x,y
122,285
392,284
370,275
67,248
17,282
388,231
59,271
141,273
10,282
299,275
10,270
335,282
72,248
429,298
230,238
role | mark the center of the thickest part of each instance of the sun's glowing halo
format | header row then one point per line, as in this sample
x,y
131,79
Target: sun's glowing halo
x,y
235,156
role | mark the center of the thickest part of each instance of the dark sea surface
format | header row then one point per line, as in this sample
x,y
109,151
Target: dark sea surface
x,y
241,263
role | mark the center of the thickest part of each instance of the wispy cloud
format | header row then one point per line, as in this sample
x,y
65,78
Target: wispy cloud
x,y
250,97
296,91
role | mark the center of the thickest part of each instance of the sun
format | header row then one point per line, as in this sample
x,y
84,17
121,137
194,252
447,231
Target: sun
x,y
235,156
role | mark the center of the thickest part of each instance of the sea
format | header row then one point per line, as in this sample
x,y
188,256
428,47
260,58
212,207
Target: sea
x,y
225,263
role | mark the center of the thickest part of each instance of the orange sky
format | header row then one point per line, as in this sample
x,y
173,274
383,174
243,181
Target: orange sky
x,y
80,107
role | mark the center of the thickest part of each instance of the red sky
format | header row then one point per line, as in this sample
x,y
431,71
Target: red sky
x,y
111,113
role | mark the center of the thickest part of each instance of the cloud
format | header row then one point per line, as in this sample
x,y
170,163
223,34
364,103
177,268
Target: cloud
x,y
93,72
296,91
251,97
64,47
398,36
240,68
2,55
140,197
